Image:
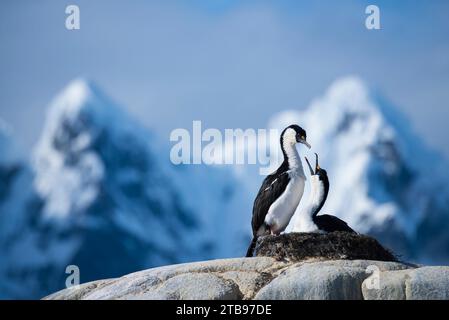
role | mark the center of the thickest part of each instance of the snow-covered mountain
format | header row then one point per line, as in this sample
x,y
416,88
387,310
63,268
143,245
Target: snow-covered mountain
x,y
384,180
108,200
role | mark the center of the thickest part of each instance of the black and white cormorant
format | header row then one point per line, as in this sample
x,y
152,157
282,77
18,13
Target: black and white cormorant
x,y
308,219
281,191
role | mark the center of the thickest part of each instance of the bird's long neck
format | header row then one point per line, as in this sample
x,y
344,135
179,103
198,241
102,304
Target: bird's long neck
x,y
318,196
305,222
291,156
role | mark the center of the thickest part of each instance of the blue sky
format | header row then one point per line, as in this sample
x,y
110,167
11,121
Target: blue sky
x,y
228,63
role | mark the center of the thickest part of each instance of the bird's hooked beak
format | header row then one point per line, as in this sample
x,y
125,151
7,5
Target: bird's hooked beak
x,y
302,140
306,144
310,167
317,166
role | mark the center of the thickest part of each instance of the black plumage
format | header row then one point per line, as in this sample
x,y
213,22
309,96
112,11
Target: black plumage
x,y
273,186
328,223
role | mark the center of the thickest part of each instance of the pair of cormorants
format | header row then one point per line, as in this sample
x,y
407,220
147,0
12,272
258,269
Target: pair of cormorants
x,y
281,192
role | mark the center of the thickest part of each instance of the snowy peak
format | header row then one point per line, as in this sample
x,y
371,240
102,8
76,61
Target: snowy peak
x,y
76,117
79,96
86,142
348,110
75,95
346,95
64,152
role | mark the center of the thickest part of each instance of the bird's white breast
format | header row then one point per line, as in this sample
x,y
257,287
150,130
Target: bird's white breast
x,y
304,221
284,207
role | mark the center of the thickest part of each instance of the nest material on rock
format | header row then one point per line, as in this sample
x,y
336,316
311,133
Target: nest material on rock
x,y
330,246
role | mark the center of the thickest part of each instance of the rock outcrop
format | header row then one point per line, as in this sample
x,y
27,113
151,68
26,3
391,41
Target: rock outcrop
x,y
265,278
291,273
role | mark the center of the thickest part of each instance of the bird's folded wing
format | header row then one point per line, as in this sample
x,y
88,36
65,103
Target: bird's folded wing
x,y
272,188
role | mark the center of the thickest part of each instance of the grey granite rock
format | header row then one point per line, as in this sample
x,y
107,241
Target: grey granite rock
x,y
194,286
267,278
216,279
428,283
422,283
389,285
315,281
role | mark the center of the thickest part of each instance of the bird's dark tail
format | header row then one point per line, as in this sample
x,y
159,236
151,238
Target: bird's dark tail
x,y
251,247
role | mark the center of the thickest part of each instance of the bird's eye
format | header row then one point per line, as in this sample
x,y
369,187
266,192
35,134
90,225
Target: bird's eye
x,y
303,138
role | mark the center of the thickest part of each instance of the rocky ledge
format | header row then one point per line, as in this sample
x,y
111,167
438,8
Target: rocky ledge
x,y
288,273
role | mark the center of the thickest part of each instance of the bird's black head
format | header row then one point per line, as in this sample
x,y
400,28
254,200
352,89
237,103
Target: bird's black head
x,y
320,172
300,135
